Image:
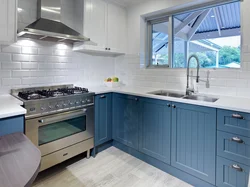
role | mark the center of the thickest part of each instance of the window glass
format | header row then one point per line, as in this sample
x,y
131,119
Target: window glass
x,y
160,44
213,34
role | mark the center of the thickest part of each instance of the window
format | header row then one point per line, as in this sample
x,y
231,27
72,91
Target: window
x,y
213,34
159,36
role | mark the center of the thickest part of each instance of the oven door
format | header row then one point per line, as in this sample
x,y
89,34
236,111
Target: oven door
x,y
54,132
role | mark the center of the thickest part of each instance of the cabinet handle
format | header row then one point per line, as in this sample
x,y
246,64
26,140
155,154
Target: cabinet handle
x,y
237,168
106,48
109,49
102,96
136,99
238,116
169,105
237,140
41,121
173,106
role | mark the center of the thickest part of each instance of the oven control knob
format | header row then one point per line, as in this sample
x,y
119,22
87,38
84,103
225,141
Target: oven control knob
x,y
83,102
50,107
71,103
77,102
88,100
57,106
42,108
64,104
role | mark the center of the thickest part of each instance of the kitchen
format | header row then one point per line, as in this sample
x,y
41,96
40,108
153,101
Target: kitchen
x,y
169,121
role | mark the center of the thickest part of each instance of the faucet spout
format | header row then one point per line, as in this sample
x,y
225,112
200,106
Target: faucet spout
x,y
189,90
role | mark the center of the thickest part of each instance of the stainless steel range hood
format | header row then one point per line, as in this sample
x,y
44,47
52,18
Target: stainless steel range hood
x,y
48,25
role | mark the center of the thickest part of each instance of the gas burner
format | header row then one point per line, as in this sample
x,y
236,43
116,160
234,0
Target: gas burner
x,y
29,95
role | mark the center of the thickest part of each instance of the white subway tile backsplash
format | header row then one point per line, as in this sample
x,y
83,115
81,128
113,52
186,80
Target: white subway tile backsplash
x,y
34,73
29,65
11,49
11,81
29,50
20,73
35,63
5,73
11,65
5,57
45,66
21,57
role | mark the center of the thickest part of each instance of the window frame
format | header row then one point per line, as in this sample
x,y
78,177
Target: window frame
x,y
170,15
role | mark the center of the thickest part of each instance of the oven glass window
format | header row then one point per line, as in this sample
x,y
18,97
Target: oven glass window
x,y
59,130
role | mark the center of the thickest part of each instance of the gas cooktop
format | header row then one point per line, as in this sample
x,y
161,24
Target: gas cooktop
x,y
53,99
48,93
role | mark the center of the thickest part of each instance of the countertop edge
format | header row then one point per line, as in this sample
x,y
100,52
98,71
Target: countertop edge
x,y
218,104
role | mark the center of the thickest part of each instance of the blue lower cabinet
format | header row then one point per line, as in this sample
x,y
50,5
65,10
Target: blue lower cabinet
x,y
11,125
194,140
126,120
155,129
232,174
103,118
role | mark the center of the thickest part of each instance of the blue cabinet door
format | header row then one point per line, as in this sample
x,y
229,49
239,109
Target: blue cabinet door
x,y
194,140
11,125
126,119
103,118
232,174
155,128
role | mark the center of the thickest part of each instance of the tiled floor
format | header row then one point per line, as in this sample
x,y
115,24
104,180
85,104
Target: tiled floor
x,y
111,167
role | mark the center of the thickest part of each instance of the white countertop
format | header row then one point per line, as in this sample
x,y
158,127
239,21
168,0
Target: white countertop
x,y
224,102
10,106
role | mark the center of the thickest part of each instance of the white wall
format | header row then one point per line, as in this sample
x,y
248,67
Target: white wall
x,y
31,63
223,82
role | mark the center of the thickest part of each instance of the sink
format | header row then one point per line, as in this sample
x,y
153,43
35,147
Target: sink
x,y
201,98
182,96
167,93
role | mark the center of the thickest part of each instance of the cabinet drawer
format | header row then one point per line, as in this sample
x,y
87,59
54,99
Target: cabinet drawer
x,y
233,147
231,174
234,122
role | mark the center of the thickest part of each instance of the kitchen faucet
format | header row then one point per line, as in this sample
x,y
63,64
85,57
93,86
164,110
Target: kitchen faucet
x,y
189,90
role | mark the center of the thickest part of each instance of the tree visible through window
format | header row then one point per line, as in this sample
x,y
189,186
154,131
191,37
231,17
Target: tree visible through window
x,y
213,34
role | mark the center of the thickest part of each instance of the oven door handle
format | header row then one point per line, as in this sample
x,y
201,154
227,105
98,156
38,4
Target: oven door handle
x,y
62,117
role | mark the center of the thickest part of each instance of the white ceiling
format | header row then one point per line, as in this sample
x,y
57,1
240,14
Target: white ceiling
x,y
129,2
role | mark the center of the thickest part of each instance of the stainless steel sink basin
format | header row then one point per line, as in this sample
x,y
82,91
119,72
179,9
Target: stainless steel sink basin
x,y
201,98
168,93
181,95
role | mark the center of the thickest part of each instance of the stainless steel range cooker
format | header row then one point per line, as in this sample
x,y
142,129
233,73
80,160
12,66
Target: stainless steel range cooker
x,y
59,121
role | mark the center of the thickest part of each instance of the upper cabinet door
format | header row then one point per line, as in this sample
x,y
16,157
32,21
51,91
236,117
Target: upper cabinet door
x,y
8,9
117,27
95,26
194,140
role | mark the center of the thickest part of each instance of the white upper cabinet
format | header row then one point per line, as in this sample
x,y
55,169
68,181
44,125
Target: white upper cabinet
x,y
95,13
8,21
116,33
105,25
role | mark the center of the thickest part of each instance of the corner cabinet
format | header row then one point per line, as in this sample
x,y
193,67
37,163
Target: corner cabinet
x,y
155,128
194,140
126,119
8,14
103,118
105,24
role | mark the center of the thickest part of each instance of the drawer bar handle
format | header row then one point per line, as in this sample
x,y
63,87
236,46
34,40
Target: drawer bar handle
x,y
236,167
237,140
238,116
102,96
